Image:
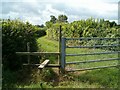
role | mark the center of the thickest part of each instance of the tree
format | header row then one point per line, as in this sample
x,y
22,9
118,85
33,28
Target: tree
x,y
53,19
62,18
40,26
112,24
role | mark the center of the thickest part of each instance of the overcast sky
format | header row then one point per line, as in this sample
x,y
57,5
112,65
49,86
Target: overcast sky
x,y
39,11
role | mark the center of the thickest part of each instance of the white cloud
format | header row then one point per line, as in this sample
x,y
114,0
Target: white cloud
x,y
97,7
39,11
11,15
49,10
33,20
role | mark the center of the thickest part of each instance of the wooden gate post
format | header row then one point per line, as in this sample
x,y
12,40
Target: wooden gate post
x,y
59,49
62,63
28,50
119,64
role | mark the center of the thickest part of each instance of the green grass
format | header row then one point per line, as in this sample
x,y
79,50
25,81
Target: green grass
x,y
104,77
47,45
77,84
36,85
64,84
89,79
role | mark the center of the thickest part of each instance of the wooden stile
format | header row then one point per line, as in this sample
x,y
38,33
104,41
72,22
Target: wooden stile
x,y
43,64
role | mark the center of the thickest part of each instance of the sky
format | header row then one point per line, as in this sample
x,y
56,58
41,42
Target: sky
x,y
37,12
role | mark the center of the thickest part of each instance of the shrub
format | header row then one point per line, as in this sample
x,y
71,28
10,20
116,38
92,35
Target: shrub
x,y
15,35
48,75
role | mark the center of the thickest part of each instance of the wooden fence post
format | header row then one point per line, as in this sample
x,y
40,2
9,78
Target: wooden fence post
x,y
119,64
28,50
63,46
59,56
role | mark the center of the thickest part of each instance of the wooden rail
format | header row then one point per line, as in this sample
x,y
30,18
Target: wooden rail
x,y
48,65
38,53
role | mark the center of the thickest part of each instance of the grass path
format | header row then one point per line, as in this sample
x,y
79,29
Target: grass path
x,y
47,45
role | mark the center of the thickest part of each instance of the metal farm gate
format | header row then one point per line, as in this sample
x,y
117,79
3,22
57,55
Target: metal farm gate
x,y
97,52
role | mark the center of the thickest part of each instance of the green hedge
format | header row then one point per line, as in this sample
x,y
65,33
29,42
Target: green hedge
x,y
15,35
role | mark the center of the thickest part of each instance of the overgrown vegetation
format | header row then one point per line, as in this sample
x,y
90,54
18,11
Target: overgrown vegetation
x,y
16,34
90,27
84,28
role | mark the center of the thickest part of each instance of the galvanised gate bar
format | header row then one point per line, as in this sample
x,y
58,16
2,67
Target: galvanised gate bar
x,y
112,46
